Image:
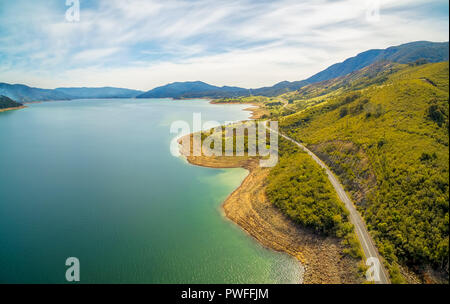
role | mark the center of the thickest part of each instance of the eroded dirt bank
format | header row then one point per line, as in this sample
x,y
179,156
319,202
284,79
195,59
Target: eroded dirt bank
x,y
248,207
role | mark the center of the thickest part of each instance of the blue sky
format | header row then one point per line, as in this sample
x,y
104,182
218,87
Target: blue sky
x,y
141,44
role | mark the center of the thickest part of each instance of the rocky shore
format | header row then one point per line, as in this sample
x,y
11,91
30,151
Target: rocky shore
x,y
248,207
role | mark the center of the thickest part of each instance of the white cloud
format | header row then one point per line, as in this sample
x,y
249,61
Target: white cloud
x,y
250,43
94,54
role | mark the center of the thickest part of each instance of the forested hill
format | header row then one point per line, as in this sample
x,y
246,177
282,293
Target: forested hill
x,y
6,103
104,92
194,89
385,132
25,93
406,53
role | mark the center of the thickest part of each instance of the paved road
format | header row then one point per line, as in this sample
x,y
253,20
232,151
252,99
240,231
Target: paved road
x,y
361,231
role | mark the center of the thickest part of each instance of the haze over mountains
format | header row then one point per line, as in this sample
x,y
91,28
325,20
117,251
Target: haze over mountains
x,y
105,92
23,93
194,89
405,53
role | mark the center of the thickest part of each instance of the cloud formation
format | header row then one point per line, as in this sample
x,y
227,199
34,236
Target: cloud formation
x,y
144,43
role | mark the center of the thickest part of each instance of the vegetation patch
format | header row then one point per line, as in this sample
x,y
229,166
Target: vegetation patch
x,y
6,103
351,164
402,126
300,188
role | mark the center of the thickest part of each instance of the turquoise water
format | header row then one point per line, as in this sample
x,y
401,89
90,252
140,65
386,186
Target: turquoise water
x,y
94,179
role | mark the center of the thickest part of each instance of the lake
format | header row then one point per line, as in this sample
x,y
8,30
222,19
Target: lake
x,y
94,179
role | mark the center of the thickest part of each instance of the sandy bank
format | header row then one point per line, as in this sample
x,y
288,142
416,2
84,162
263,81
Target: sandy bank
x,y
9,109
249,207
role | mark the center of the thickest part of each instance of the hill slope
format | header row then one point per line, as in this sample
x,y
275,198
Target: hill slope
x,y
388,142
405,53
194,89
105,92
6,102
25,93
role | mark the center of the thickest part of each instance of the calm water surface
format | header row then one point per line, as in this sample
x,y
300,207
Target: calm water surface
x,y
94,179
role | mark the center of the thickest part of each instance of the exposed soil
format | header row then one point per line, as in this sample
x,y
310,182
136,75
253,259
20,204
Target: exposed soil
x,y
10,109
249,207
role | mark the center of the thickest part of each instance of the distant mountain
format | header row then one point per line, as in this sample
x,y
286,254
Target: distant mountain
x,y
23,93
105,92
198,89
194,89
279,88
405,53
376,73
6,102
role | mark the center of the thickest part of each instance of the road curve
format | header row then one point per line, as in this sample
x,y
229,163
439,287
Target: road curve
x,y
366,241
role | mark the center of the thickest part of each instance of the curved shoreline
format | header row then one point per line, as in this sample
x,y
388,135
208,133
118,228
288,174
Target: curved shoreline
x,y
10,109
247,206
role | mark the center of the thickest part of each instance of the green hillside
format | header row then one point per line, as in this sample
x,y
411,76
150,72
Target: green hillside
x,y
300,188
385,132
6,103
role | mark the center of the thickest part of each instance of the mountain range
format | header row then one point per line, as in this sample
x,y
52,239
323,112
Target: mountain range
x,y
405,53
194,89
105,92
23,93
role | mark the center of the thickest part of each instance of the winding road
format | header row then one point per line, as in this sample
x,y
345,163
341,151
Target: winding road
x,y
366,241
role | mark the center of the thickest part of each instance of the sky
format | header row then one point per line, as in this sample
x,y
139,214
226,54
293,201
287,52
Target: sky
x,y
141,44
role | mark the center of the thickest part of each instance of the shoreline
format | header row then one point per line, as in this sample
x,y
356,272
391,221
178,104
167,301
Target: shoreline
x,y
322,259
10,109
256,111
247,206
